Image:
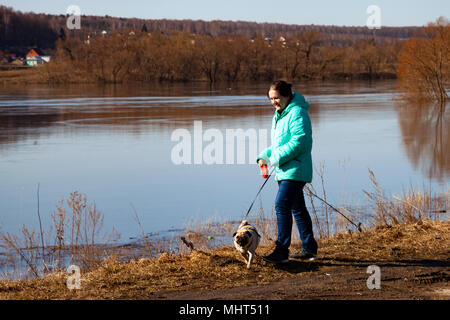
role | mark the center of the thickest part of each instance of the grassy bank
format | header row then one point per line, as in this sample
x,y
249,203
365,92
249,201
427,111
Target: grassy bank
x,y
65,74
223,268
24,76
404,234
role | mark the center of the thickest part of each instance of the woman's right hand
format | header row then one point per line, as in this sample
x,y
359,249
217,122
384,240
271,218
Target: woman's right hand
x,y
263,166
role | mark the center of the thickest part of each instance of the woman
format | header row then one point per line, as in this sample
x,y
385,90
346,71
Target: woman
x,y
290,153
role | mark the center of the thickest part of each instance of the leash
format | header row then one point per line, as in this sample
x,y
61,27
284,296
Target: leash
x,y
265,181
358,226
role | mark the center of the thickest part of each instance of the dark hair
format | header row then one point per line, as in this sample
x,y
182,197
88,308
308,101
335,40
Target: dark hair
x,y
283,88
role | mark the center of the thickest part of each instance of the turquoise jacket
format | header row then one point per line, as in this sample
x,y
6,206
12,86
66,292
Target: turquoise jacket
x,y
290,151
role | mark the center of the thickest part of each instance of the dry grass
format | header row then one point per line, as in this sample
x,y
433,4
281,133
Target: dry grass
x,y
31,75
402,228
77,224
55,72
413,206
425,239
73,239
223,267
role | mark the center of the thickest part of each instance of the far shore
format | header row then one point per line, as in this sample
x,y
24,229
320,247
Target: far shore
x,y
39,75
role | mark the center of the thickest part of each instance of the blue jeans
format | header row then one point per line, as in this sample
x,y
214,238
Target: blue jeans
x,y
289,202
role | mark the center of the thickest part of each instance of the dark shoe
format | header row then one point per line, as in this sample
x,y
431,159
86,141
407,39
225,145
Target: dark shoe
x,y
277,257
304,255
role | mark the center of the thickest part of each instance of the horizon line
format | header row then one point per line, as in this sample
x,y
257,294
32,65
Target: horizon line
x,y
220,20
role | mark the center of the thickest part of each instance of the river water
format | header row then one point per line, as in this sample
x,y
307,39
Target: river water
x,y
119,145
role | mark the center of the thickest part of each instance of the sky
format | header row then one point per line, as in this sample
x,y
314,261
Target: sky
x,y
325,12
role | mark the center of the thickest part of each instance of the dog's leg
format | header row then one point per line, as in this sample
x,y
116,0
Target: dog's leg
x,y
245,255
250,259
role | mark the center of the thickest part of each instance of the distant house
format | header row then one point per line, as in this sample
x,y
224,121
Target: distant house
x,y
36,57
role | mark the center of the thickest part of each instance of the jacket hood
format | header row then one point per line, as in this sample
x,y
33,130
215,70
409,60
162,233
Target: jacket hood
x,y
297,100
300,101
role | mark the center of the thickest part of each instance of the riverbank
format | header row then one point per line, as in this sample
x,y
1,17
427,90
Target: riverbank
x,y
413,260
53,74
22,76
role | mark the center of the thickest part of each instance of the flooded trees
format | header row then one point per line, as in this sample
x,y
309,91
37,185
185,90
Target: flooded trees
x,y
209,54
308,42
369,59
424,69
179,56
424,73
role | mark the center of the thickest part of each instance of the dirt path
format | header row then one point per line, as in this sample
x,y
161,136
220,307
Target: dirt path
x,y
332,279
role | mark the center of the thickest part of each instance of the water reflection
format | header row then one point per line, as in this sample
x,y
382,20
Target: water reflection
x,y
25,113
426,136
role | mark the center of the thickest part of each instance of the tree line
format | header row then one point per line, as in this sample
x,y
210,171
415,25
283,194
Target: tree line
x,y
188,50
19,30
41,30
177,56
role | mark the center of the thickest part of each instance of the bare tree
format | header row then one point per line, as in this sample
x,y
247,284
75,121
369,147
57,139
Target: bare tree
x,y
424,69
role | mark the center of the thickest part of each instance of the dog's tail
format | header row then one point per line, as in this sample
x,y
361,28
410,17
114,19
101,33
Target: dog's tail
x,y
244,223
